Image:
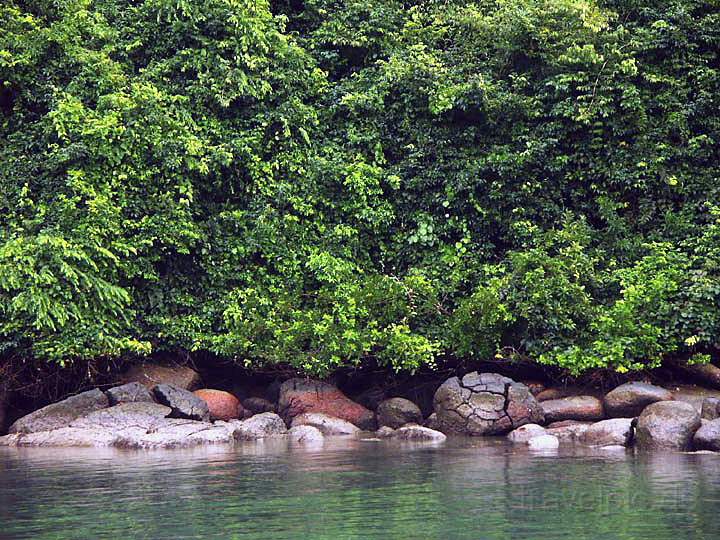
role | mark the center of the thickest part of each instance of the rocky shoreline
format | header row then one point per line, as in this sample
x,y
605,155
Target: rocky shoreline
x,y
159,407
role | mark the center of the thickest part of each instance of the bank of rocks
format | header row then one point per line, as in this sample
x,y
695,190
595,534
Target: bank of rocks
x,y
151,412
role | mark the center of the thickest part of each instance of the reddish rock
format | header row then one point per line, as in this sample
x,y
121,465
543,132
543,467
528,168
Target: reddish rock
x,y
573,408
151,375
222,405
299,396
536,387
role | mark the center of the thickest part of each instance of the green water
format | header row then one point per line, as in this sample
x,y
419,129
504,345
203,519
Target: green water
x,y
480,489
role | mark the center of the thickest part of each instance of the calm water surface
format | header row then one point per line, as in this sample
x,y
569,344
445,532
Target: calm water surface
x,y
480,489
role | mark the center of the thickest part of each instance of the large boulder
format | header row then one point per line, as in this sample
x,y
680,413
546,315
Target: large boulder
x,y
629,399
140,415
573,408
328,425
484,404
396,412
222,405
708,436
150,375
260,426
298,396
613,432
417,433
133,392
67,437
184,404
667,425
174,433
61,414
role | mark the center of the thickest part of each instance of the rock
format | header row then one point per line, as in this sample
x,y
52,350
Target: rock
x,y
535,387
150,375
629,399
298,396
573,408
305,435
551,393
328,425
259,426
396,412
694,395
708,436
569,432
566,423
63,437
544,442
710,408
667,425
384,432
61,414
707,374
175,433
417,433
432,422
184,404
257,405
371,398
222,405
129,393
613,432
524,433
484,404
140,415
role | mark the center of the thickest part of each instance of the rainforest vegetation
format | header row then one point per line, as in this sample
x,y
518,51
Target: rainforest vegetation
x,y
319,184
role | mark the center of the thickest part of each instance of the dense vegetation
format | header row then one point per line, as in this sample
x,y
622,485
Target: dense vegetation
x,y
325,183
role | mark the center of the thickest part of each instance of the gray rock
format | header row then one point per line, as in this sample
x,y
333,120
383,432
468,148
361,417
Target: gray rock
x,y
544,442
305,435
61,414
573,408
328,425
708,436
184,404
569,433
484,404
396,412
667,425
133,392
259,426
613,432
524,433
140,415
258,405
694,395
417,433
710,408
174,433
62,437
629,399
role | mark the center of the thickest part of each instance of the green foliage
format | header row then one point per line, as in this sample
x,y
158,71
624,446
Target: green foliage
x,y
329,183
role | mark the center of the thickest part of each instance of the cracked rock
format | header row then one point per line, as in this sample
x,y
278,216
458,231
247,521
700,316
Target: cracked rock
x,y
484,404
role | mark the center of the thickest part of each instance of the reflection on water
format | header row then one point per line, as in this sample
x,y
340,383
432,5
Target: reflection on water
x,y
477,489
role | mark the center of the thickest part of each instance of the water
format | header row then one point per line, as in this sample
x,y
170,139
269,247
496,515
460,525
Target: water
x,y
478,489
